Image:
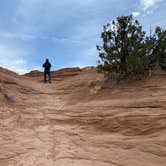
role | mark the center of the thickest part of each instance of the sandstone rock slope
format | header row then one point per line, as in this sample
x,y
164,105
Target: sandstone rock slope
x,y
76,121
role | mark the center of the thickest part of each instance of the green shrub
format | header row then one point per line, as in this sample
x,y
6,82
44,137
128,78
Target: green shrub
x,y
126,53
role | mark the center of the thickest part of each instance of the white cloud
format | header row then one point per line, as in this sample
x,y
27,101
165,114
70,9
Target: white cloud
x,y
17,36
87,57
26,37
12,59
135,14
149,3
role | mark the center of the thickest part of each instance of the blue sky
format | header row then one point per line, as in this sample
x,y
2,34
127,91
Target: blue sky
x,y
65,31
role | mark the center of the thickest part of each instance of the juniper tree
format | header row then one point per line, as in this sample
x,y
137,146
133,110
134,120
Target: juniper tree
x,y
150,59
122,52
160,47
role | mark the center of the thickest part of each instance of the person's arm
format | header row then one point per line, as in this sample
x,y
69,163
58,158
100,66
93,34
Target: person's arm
x,y
44,65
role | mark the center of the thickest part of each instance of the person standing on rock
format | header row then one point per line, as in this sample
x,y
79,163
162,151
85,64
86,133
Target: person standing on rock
x,y
47,70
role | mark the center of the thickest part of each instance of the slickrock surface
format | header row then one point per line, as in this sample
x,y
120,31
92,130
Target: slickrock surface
x,y
75,122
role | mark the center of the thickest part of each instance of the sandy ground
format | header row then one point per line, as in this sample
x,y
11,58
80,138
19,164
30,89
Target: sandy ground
x,y
73,122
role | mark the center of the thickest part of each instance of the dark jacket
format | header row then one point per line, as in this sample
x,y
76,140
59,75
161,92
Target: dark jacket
x,y
47,66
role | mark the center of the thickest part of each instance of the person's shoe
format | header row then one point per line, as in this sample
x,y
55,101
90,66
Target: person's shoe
x,y
49,81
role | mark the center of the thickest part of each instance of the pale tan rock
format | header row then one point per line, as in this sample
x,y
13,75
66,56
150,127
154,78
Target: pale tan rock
x,y
68,123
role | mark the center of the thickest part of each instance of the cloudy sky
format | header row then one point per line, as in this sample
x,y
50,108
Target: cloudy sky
x,y
65,31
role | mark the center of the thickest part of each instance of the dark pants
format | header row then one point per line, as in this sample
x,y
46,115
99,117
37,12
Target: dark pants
x,y
45,75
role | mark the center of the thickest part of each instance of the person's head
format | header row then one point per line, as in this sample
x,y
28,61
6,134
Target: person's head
x,y
47,60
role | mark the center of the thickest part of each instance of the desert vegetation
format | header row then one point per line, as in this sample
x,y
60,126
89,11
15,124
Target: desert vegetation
x,y
128,52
